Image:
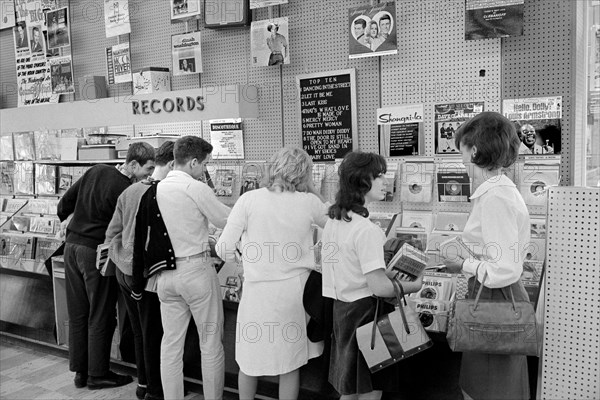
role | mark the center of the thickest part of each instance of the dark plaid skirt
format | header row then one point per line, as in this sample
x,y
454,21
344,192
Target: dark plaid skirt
x,y
348,371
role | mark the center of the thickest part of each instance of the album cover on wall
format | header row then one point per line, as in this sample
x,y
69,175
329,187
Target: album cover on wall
x,y
448,118
183,9
186,53
372,30
538,123
224,182
116,17
252,175
7,174
416,189
269,42
453,187
485,19
59,34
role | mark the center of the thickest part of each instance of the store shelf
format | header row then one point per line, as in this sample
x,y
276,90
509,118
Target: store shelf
x,y
74,163
31,235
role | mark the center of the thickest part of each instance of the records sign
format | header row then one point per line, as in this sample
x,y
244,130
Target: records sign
x,y
328,114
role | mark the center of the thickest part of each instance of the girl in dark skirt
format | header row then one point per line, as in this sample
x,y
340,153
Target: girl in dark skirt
x,y
353,271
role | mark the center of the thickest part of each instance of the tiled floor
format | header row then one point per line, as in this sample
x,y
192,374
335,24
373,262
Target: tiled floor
x,y
34,375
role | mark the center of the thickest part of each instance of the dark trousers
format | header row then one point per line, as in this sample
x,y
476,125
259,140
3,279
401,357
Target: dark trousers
x,y
91,303
146,324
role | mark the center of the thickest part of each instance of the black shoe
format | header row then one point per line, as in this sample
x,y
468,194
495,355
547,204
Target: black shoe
x,y
80,379
109,380
140,392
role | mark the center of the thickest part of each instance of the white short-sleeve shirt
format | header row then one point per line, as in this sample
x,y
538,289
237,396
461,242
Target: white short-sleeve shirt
x,y
350,250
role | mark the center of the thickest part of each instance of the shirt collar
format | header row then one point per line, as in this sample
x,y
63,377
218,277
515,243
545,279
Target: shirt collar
x,y
494,181
178,173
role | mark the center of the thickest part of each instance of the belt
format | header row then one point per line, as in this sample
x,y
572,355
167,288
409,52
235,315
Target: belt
x,y
205,253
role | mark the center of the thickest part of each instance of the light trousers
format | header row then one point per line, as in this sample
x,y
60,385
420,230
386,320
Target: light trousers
x,y
192,289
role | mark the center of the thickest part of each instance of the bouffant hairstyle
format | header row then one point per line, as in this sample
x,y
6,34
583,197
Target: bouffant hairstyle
x,y
289,169
494,136
357,172
164,154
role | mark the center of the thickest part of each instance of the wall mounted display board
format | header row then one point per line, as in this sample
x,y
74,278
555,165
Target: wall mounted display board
x,y
226,13
328,113
212,102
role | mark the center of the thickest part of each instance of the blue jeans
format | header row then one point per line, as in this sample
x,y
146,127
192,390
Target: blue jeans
x,y
192,289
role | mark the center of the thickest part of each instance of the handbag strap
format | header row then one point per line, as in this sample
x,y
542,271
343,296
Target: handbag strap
x,y
512,297
400,294
375,324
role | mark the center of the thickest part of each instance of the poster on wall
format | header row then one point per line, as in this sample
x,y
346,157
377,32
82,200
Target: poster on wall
x,y
372,30
61,73
269,42
183,9
7,14
58,28
328,121
538,123
186,52
448,118
227,139
400,130
21,39
267,3
486,19
116,17
118,64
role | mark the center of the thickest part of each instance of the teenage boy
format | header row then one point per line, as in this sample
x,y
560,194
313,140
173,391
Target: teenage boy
x,y
86,209
144,313
172,237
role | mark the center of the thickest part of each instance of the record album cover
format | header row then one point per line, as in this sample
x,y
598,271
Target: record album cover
x,y
451,221
535,184
23,145
6,148
453,187
418,219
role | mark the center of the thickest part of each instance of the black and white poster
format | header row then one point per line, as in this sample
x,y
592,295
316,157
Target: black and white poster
x,y
61,73
183,9
269,42
372,30
116,17
58,28
186,51
118,64
485,19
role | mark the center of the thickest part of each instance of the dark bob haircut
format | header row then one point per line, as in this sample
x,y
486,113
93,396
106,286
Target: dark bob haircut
x,y
494,136
356,172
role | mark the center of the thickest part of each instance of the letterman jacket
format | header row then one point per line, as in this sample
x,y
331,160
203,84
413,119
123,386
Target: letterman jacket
x,y
152,250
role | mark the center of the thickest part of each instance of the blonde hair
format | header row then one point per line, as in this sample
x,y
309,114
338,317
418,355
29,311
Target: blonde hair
x,y
290,169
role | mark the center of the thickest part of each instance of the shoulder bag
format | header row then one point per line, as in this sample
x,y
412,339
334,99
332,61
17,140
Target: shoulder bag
x,y
494,326
392,337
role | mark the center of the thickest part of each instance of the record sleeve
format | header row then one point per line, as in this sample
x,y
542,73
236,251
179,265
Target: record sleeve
x,y
37,206
416,237
390,181
224,182
453,187
417,219
45,248
409,261
534,187
252,175
24,177
7,172
6,148
432,314
416,189
450,221
538,227
23,144
436,287
45,179
47,146
44,225
385,221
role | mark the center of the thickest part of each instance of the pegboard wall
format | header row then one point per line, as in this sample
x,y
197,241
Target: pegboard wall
x,y
538,64
434,64
572,295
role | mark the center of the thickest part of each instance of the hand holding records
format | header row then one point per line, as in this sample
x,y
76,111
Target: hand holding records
x,y
408,263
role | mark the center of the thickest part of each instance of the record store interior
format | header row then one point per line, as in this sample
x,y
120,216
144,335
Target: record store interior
x,y
300,199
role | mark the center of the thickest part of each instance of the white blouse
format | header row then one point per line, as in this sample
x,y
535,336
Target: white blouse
x,y
498,231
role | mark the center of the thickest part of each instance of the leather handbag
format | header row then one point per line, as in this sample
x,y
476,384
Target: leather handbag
x,y
392,337
494,326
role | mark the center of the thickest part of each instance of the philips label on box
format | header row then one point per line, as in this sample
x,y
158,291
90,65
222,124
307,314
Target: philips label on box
x,y
151,80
